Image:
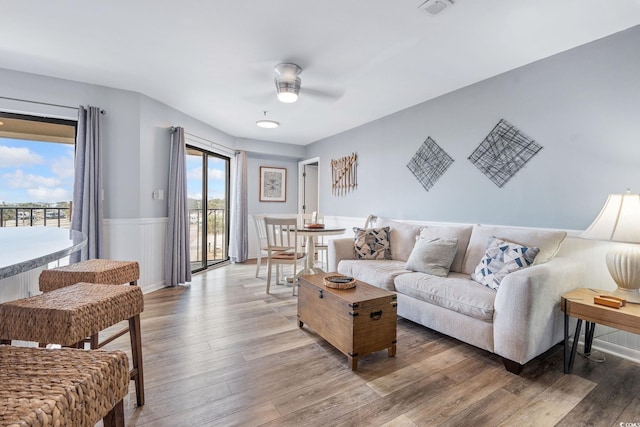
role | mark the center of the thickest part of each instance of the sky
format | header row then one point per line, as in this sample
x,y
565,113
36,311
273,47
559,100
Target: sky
x,y
34,171
216,174
42,172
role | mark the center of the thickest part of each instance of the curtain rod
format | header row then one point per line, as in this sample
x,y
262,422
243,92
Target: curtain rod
x,y
173,129
45,103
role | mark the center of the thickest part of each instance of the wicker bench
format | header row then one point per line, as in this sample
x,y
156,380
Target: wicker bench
x,y
65,387
104,271
67,315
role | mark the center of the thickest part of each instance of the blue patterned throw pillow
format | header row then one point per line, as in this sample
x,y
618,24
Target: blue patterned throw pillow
x,y
371,243
501,258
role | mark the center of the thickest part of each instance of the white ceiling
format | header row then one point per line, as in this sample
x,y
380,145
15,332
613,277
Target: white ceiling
x,y
361,59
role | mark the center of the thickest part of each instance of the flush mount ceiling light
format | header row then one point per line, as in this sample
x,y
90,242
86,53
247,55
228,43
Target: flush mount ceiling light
x,y
287,82
267,124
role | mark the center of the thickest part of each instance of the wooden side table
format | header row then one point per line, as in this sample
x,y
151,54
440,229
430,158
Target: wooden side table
x,y
579,304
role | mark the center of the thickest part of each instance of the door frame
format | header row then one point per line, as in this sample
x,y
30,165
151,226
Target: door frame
x,y
207,153
301,181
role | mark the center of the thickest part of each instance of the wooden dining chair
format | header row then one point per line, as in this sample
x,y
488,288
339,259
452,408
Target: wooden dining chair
x,y
283,246
261,240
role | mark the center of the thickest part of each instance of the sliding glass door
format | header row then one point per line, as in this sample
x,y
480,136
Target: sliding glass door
x,y
208,202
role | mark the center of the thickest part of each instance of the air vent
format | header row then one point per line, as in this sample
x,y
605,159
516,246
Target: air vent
x,y
433,7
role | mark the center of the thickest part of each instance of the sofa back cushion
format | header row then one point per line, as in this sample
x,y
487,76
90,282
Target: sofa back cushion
x,y
402,237
462,233
548,241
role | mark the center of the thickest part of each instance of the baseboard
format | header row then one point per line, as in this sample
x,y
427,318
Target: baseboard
x,y
150,287
617,350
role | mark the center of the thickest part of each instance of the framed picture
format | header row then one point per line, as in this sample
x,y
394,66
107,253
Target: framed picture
x,y
273,184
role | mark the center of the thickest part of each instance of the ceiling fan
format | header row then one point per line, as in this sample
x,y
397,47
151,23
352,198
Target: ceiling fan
x,y
289,86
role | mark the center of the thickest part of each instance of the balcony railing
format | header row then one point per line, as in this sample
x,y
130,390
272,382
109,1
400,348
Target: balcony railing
x,y
12,216
216,247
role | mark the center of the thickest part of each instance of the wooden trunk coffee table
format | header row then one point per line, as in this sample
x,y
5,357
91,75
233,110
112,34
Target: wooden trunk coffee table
x,y
356,321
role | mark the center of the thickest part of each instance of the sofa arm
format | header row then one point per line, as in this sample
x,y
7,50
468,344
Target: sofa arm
x,y
527,318
339,249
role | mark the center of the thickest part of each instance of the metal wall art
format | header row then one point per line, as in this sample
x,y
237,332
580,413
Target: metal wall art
x,y
344,175
503,153
429,163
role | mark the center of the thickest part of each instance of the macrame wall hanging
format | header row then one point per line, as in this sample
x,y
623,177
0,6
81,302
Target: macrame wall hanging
x,y
344,176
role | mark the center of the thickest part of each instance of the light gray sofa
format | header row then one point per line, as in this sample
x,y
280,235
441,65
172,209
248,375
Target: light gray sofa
x,y
519,321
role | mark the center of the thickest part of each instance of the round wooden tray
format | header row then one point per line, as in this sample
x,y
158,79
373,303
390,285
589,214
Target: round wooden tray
x,y
314,226
338,281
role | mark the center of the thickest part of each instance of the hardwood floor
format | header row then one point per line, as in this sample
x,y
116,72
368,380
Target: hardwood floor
x,y
221,352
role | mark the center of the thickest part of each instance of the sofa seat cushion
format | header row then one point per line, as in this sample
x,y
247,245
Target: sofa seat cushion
x,y
380,273
456,292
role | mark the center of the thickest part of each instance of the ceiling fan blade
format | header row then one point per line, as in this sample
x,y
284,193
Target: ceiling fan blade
x,y
331,95
260,98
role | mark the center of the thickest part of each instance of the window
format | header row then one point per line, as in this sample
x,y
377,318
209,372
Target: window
x,y
36,170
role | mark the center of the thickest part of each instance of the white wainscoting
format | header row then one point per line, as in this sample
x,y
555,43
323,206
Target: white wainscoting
x,y
142,240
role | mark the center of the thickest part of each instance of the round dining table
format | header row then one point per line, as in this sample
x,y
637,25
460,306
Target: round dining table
x,y
311,233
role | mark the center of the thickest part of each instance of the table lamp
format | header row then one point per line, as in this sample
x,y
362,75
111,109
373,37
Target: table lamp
x,y
619,221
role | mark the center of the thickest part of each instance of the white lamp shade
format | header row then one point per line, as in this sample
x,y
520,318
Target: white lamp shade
x,y
619,220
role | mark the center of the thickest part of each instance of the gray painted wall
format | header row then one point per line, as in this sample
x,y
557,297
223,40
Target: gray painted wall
x,y
253,177
271,154
136,139
582,106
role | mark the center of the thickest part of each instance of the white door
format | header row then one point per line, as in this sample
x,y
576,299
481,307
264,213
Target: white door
x,y
308,184
310,176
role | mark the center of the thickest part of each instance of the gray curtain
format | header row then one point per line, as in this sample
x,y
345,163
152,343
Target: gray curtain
x,y
239,246
86,209
177,262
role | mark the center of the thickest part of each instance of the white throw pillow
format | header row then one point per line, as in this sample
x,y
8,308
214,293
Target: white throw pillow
x,y
432,256
462,233
501,258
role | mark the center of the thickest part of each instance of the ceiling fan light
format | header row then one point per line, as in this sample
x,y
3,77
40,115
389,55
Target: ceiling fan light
x,y
287,89
287,97
267,124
